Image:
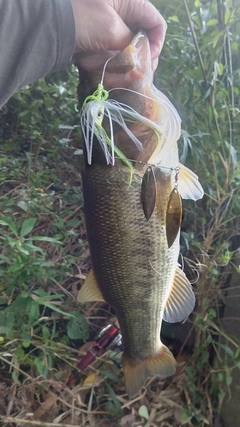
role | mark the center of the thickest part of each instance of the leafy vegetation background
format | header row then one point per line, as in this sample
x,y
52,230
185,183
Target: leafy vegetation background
x,y
44,255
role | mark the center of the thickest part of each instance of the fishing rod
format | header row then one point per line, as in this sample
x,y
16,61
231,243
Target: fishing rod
x,y
108,335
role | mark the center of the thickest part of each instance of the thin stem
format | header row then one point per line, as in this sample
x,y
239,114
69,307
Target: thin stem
x,y
195,41
201,65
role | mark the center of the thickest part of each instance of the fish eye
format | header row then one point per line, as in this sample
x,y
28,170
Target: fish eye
x,y
99,114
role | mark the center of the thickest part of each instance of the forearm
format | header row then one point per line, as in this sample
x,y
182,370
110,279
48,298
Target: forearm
x,y
37,37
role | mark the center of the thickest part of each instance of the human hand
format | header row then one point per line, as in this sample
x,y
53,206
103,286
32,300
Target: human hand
x,y
111,25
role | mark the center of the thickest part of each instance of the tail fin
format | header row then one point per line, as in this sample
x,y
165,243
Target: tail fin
x,y
136,371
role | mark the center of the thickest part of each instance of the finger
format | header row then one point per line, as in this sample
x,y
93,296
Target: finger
x,y
115,36
154,64
142,15
119,38
156,38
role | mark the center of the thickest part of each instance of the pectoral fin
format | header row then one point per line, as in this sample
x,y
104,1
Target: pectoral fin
x,y
173,216
181,300
188,185
90,290
148,192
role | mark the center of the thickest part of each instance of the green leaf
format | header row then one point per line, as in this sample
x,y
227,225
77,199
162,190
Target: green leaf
x,y
212,22
229,377
27,226
77,327
143,412
228,16
46,239
197,3
110,375
26,344
226,348
21,247
173,18
23,114
111,408
115,400
23,205
41,366
7,319
29,248
47,264
33,313
54,308
45,333
220,376
41,292
73,223
186,416
19,353
220,68
59,223
10,224
46,297
216,39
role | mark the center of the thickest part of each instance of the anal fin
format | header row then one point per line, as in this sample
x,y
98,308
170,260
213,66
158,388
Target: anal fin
x,y
90,290
136,371
181,300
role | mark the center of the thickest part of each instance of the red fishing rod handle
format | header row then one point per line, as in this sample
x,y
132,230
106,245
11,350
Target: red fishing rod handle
x,y
107,335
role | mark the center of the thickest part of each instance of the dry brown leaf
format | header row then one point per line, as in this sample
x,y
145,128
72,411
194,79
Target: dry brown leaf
x,y
127,420
45,406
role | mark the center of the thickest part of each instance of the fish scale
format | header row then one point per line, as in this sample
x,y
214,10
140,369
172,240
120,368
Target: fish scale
x,y
125,249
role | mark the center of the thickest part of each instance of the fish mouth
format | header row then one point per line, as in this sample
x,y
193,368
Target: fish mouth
x,y
123,67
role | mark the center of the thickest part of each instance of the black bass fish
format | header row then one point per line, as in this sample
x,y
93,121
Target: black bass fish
x,y
133,226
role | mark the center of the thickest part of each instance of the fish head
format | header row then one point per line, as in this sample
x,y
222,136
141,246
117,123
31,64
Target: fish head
x,y
128,77
129,69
